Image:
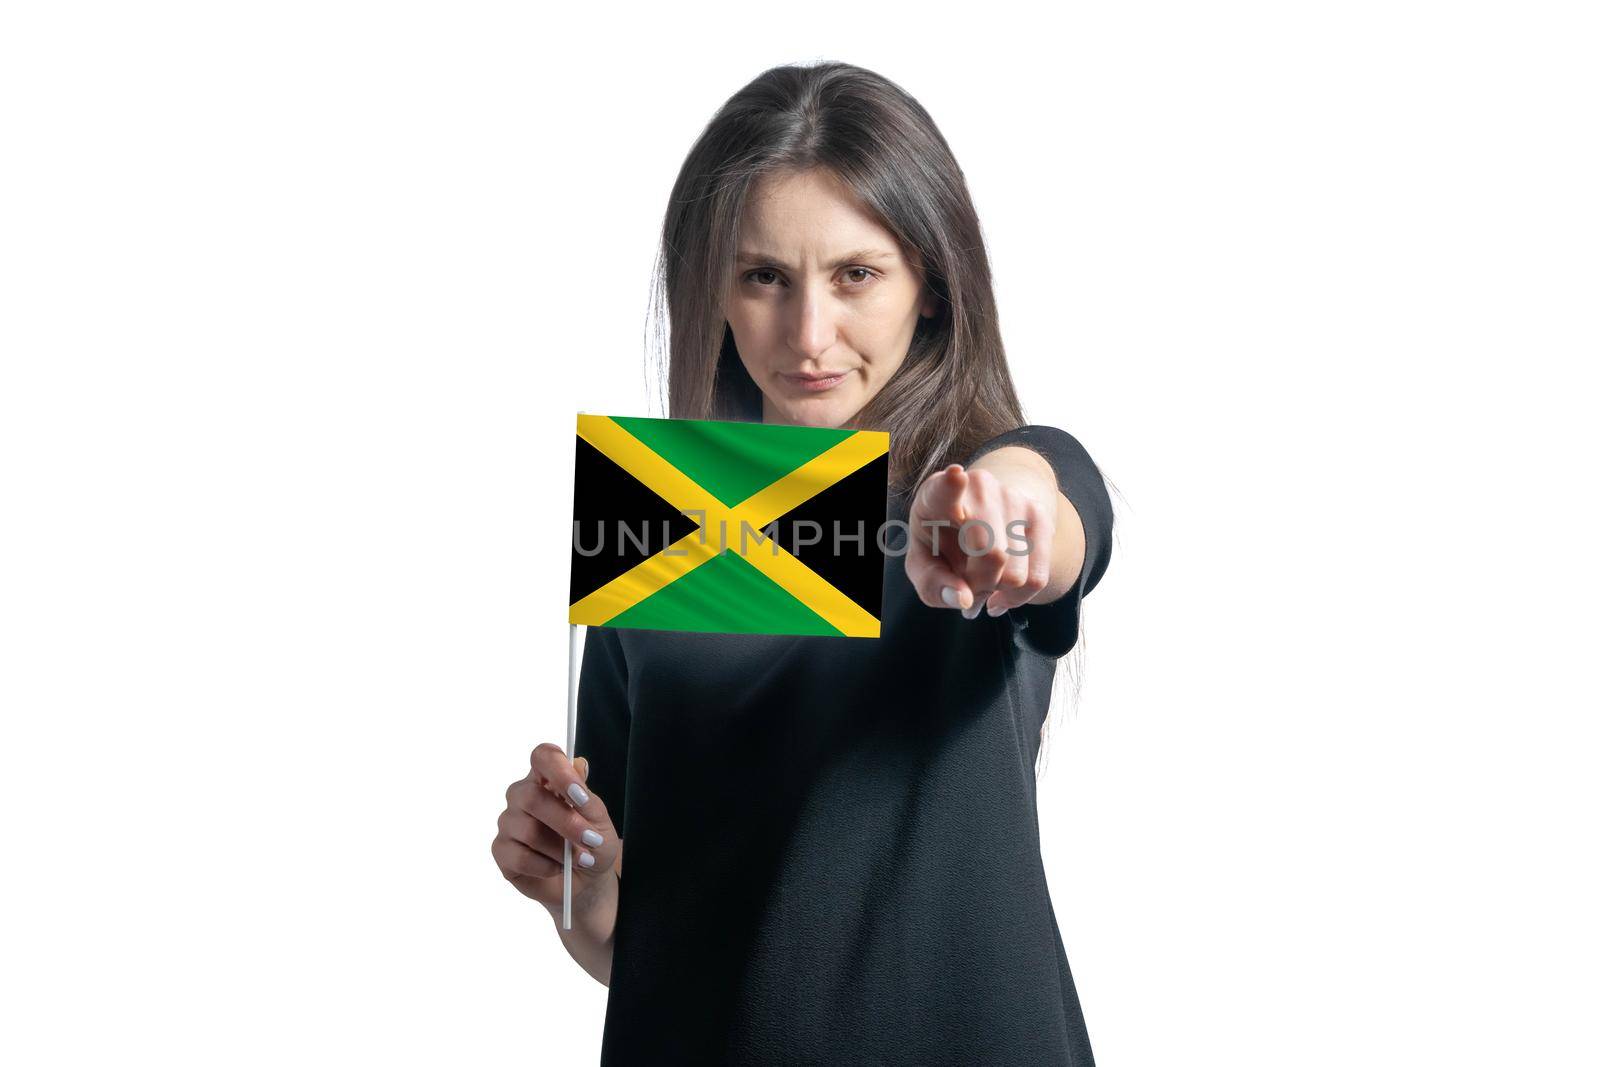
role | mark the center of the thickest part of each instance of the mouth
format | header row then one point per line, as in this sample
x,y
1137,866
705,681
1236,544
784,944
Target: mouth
x,y
815,383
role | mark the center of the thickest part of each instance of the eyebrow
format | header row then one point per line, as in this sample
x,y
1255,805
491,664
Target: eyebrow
x,y
767,260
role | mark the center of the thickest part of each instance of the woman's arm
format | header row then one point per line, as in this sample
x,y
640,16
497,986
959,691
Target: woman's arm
x,y
1042,476
1027,472
594,923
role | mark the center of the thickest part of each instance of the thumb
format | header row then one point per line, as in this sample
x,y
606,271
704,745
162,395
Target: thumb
x,y
581,764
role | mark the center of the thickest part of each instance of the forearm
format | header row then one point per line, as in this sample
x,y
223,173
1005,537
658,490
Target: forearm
x,y
1027,470
594,923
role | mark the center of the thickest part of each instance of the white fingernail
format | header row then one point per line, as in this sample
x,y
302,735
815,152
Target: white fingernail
x,y
593,839
585,859
977,606
950,596
993,614
579,797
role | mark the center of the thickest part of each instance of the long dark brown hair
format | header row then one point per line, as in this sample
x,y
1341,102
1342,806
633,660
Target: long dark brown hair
x,y
953,391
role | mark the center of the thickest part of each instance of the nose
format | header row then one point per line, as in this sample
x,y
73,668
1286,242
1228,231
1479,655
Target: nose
x,y
813,326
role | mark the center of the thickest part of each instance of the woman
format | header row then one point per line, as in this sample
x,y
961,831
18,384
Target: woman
x,y
832,843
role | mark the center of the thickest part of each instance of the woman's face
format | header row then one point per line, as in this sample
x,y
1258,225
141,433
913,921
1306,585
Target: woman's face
x,y
822,302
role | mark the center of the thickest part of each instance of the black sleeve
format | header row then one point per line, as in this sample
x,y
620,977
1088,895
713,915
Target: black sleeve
x,y
1052,629
604,719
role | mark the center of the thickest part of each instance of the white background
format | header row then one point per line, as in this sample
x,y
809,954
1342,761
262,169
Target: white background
x,y
298,301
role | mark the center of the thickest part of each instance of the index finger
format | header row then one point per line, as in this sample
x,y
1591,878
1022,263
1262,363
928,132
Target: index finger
x,y
559,774
942,496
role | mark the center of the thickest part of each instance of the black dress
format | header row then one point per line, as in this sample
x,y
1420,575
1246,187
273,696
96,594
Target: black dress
x,y
831,844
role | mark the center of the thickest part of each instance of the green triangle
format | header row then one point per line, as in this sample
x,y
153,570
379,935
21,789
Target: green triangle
x,y
732,460
725,594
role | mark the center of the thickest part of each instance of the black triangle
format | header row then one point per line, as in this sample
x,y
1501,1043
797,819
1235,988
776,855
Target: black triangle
x,y
857,502
618,519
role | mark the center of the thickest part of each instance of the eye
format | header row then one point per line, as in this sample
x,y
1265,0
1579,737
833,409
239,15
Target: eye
x,y
858,277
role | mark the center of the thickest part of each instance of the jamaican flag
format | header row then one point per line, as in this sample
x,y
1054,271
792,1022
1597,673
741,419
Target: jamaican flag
x,y
728,527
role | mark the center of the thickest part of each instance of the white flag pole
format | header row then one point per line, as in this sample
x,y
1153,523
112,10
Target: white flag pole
x,y
572,741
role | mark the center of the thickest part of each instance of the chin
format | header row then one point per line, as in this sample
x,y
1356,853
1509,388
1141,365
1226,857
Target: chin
x,y
827,414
